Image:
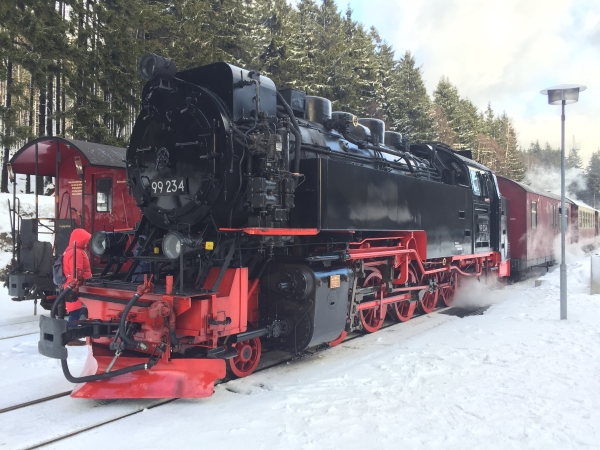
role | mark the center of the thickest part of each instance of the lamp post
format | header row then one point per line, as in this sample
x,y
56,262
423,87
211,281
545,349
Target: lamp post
x,y
563,94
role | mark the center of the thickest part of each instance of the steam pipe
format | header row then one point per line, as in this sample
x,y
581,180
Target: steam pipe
x,y
356,142
256,101
172,336
57,301
295,131
101,376
129,341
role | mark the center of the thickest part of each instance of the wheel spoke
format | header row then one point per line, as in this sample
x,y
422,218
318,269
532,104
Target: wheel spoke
x,y
372,319
430,296
403,311
447,292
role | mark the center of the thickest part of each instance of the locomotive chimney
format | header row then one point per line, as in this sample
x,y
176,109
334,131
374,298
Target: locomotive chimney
x,y
152,66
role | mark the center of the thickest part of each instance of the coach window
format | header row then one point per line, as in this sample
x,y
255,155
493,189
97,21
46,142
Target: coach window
x,y
104,194
587,222
533,215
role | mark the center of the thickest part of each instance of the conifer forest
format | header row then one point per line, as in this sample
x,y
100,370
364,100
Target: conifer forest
x,y
69,68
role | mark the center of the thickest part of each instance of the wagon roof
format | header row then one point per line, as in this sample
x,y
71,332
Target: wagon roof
x,y
581,204
92,154
533,190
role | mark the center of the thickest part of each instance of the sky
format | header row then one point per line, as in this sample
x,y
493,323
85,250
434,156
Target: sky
x,y
504,52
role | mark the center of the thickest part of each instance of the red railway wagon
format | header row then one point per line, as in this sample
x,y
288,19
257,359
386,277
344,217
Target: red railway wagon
x,y
90,192
534,223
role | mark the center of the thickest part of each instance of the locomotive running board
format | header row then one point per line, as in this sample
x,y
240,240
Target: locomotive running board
x,y
177,378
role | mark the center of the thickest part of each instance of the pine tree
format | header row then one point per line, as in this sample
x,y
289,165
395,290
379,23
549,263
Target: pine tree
x,y
574,160
487,150
447,100
335,58
386,98
515,166
533,154
361,68
70,68
306,63
415,117
469,124
551,157
277,51
592,180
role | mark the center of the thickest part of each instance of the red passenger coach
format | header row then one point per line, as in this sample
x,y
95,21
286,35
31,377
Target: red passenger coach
x,y
90,192
534,222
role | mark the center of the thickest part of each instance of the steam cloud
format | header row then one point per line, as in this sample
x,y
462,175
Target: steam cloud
x,y
548,180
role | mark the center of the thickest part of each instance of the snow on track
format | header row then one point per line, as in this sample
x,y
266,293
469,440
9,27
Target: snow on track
x,y
515,377
51,420
25,375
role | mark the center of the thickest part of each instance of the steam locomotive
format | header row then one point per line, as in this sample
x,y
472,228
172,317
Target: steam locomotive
x,y
268,221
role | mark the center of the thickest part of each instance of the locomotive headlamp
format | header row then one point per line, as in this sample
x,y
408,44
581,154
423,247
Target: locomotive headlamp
x,y
152,66
106,243
175,243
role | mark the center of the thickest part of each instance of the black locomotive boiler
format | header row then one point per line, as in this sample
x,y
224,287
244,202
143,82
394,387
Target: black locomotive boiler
x,y
269,220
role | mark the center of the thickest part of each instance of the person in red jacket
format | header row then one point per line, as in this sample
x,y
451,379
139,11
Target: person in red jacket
x,y
84,271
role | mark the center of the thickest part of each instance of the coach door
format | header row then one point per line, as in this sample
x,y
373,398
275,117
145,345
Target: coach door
x,y
481,210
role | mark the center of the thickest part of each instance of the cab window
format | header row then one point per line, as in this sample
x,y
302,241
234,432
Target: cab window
x,y
104,195
475,182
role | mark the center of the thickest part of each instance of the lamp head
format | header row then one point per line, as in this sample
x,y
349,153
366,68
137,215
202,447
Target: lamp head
x,y
176,243
569,93
108,243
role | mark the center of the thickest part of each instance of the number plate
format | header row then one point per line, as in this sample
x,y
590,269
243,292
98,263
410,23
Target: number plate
x,y
169,186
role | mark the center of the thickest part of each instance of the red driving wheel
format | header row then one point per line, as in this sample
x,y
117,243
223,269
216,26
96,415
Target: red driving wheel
x,y
429,297
447,292
247,359
403,311
339,340
372,319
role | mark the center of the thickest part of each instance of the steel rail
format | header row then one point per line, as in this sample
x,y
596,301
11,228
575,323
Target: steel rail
x,y
34,402
18,335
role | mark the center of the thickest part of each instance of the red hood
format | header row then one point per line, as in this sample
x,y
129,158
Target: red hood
x,y
80,236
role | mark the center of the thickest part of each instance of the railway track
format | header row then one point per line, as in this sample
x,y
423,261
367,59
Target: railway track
x,y
34,402
98,425
18,329
272,360
18,335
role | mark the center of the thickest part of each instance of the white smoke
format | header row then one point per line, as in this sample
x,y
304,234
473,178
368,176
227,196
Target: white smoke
x,y
478,293
548,180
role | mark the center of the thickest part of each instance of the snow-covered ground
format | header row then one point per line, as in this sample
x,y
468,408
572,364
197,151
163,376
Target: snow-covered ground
x,y
516,377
